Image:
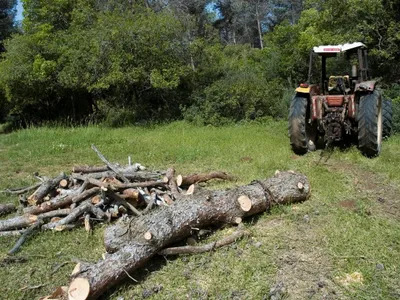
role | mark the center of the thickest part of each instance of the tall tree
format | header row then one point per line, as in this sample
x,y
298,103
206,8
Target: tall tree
x,y
7,15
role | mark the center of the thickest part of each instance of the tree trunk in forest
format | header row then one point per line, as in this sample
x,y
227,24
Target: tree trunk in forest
x,y
134,242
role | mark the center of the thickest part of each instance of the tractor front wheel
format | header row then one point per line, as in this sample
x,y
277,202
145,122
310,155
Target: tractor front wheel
x,y
370,124
302,132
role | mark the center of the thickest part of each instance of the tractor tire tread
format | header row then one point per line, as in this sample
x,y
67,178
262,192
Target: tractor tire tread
x,y
297,125
368,125
387,118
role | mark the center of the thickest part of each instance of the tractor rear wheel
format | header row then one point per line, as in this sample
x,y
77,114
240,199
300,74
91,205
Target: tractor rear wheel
x,y
302,133
370,124
387,116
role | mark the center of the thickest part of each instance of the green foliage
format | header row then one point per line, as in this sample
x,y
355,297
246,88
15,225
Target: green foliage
x,y
165,60
394,93
241,90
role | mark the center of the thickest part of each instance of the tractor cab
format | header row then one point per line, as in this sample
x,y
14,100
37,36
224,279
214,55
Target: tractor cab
x,y
354,68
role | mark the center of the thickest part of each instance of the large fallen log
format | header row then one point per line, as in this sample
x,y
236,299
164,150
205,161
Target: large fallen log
x,y
133,243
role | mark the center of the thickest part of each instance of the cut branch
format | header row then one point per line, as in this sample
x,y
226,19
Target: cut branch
x,y
75,213
48,185
27,233
172,182
197,178
205,248
111,166
19,191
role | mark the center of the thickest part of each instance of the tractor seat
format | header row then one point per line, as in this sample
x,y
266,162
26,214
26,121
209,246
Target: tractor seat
x,y
339,85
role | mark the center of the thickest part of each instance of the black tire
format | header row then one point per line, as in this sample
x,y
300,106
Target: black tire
x,y
302,134
370,124
387,118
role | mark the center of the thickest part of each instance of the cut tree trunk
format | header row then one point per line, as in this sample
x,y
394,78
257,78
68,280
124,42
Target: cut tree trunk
x,y
135,242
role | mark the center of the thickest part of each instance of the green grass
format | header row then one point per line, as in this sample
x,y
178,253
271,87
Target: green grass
x,y
309,247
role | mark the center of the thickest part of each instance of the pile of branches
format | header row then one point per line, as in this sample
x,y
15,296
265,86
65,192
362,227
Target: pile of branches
x,y
94,194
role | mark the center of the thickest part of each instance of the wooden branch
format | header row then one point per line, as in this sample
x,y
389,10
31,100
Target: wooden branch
x,y
139,176
60,202
205,248
53,204
17,222
196,178
27,233
95,169
28,219
75,213
121,201
111,166
86,194
55,213
7,208
89,169
119,186
169,224
44,189
19,191
172,182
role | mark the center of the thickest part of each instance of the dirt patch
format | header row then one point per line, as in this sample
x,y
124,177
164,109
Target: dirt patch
x,y
348,204
372,186
303,268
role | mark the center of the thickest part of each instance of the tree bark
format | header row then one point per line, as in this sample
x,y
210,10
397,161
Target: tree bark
x,y
135,242
7,208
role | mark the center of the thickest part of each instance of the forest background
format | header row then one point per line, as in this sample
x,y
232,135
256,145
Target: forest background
x,y
121,62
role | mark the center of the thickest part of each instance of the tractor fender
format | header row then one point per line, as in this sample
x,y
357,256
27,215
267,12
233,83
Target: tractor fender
x,y
365,86
312,89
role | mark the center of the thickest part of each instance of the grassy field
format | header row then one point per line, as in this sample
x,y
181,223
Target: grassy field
x,y
343,243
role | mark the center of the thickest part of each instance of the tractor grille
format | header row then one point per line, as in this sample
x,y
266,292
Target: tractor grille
x,y
335,100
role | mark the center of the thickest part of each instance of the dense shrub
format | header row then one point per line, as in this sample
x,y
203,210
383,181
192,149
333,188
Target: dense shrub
x,y
237,98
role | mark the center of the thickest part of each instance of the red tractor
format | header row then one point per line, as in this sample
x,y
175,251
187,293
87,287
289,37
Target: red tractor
x,y
340,107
